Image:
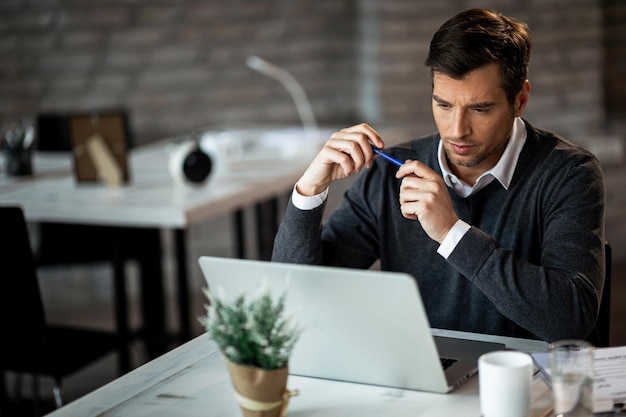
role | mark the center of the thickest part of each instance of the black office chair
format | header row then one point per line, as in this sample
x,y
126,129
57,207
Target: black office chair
x,y
29,344
600,335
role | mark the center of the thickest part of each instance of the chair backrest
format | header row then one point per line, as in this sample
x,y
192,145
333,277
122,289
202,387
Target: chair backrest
x,y
604,316
53,132
600,335
22,316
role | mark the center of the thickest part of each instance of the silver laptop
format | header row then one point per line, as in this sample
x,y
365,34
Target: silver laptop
x,y
359,326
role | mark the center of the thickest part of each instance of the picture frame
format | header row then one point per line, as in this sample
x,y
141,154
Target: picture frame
x,y
99,147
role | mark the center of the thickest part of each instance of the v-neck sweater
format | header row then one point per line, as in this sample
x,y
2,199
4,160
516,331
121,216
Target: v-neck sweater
x,y
531,265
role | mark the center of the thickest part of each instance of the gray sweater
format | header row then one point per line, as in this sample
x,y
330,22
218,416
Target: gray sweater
x,y
532,264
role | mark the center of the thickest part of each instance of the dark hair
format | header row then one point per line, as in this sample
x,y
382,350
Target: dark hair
x,y
478,37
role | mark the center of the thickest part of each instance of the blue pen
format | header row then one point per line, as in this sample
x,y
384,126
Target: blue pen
x,y
388,157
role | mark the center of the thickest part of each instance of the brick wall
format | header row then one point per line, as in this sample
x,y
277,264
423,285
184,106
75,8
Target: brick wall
x,y
175,65
615,62
178,65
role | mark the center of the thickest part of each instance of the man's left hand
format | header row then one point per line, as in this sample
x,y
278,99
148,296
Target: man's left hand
x,y
425,197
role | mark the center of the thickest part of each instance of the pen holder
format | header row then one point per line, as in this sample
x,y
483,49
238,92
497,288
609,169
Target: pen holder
x,y
18,162
16,142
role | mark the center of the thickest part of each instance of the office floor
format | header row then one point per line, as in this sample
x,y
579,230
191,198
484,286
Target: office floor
x,y
81,295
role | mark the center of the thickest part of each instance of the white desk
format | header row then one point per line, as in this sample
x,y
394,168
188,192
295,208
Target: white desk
x,y
153,201
192,381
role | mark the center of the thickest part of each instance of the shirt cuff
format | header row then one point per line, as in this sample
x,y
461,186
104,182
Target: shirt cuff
x,y
308,202
453,237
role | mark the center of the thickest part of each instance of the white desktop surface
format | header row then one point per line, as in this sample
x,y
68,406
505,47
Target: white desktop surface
x,y
192,380
44,164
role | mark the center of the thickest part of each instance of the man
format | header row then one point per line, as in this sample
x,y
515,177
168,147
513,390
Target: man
x,y
500,223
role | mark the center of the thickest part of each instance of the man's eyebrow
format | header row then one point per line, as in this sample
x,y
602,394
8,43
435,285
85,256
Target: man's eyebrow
x,y
439,99
483,104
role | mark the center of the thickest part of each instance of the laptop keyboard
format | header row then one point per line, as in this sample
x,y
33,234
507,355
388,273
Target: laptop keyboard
x,y
447,362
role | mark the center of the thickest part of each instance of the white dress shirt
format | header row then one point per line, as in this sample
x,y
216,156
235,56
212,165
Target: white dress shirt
x,y
502,171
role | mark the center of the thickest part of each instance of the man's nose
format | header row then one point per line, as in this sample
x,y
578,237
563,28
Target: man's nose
x,y
460,125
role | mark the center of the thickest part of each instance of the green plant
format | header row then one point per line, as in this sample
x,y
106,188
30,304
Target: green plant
x,y
252,331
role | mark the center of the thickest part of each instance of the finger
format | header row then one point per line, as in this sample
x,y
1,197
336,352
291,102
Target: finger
x,y
353,150
416,168
420,190
370,134
354,144
409,211
340,159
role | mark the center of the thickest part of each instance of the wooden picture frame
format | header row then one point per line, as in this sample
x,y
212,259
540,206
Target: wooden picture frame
x,y
99,147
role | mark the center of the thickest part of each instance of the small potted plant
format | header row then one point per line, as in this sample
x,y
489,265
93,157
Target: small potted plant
x,y
256,337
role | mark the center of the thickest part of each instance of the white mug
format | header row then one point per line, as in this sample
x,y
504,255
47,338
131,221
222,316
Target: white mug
x,y
505,379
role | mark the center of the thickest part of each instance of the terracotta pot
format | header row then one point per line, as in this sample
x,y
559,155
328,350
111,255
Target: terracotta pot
x,y
260,392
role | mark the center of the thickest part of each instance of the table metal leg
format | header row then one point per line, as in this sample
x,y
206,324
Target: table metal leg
x,y
152,291
267,224
184,305
240,233
121,305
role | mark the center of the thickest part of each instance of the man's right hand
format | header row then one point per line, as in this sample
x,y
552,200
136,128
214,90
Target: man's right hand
x,y
345,153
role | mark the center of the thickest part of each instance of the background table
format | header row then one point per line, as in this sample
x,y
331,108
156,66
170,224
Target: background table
x,y
192,380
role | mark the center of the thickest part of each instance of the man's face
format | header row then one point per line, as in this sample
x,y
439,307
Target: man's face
x,y
474,119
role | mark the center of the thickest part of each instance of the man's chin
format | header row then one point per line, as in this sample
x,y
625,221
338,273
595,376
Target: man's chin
x,y
462,162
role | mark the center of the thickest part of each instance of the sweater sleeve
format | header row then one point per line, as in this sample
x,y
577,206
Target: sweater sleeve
x,y
298,239
350,237
557,297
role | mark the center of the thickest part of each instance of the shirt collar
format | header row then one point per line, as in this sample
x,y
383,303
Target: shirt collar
x,y
503,171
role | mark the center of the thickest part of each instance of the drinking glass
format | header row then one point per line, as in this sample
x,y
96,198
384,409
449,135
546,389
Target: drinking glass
x,y
571,370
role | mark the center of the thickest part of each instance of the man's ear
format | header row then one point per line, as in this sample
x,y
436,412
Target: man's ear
x,y
522,99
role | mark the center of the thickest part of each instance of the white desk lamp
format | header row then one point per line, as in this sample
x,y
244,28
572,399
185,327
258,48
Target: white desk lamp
x,y
293,87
